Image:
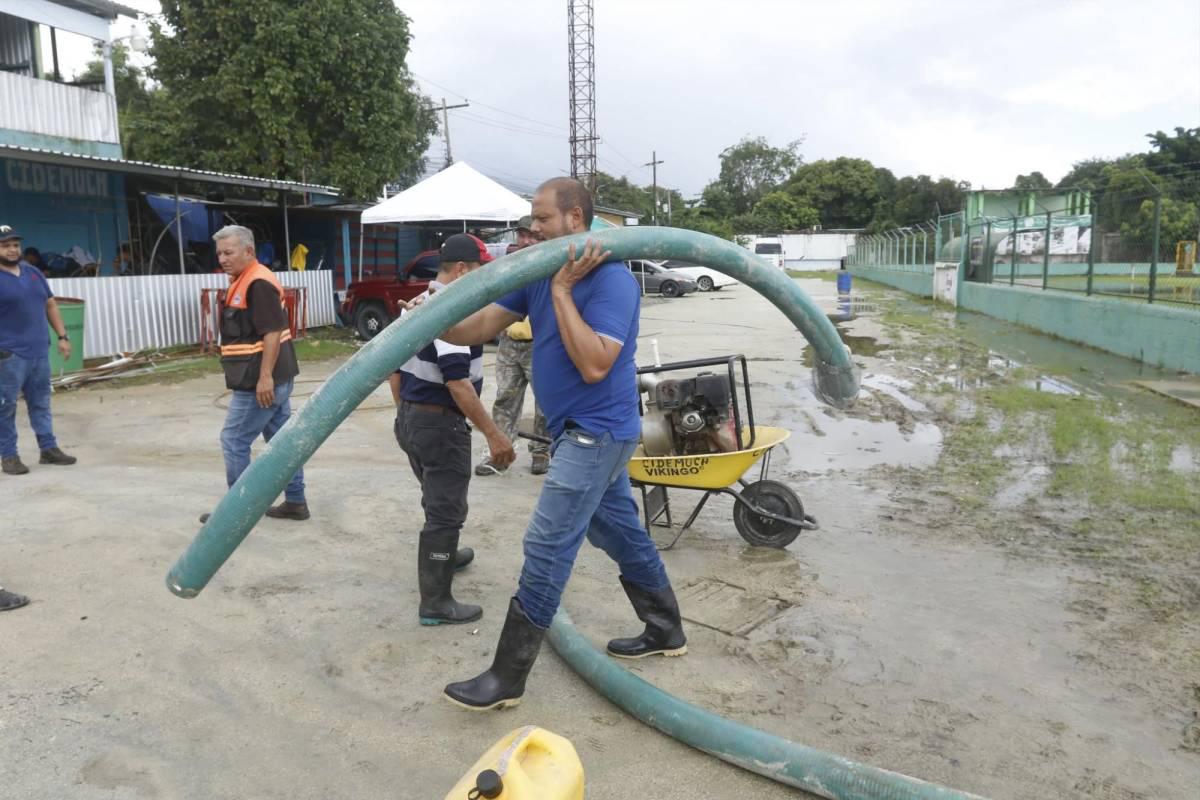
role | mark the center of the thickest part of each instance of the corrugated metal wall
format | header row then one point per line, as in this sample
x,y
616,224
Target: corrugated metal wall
x,y
55,109
16,46
128,314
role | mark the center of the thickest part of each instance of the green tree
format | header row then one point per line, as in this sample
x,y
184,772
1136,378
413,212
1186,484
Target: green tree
x,y
775,213
1034,181
920,198
1086,174
1178,222
704,220
844,191
1176,159
621,193
751,169
286,88
134,98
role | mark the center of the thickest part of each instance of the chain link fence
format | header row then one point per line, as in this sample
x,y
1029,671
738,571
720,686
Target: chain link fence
x,y
1119,249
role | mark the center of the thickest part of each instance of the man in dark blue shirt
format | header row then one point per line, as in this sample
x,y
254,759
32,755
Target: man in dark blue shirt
x,y
26,303
585,327
438,393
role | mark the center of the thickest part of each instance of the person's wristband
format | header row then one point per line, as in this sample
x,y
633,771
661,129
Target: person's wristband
x,y
64,338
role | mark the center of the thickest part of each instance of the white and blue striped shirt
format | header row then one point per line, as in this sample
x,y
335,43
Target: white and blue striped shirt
x,y
423,377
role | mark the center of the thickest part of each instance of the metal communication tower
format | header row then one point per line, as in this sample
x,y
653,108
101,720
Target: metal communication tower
x,y
581,44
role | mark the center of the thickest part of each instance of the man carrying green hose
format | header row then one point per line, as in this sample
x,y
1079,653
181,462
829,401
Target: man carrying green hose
x,y
585,327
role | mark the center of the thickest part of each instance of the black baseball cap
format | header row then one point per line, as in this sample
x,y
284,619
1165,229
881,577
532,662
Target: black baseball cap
x,y
464,247
525,223
8,232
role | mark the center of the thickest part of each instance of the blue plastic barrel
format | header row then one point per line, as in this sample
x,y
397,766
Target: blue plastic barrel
x,y
843,282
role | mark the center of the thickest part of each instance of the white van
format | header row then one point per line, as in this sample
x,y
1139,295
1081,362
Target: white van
x,y
769,248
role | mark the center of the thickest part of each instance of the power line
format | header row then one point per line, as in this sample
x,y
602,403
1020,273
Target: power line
x,y
497,109
626,158
506,127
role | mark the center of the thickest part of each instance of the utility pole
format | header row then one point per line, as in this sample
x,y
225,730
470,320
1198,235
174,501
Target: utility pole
x,y
446,127
654,162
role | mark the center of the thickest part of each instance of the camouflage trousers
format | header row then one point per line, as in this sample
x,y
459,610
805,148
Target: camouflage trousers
x,y
514,371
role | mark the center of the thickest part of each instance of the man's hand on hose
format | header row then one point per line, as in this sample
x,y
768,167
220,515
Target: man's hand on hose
x,y
502,452
576,269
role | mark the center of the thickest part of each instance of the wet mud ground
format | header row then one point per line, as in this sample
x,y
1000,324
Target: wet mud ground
x,y
1002,597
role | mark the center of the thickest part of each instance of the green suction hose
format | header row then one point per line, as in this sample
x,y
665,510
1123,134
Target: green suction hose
x,y
836,381
834,376
814,771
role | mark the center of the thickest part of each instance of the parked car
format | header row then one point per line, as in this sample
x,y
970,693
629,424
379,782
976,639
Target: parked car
x,y
654,278
371,304
707,280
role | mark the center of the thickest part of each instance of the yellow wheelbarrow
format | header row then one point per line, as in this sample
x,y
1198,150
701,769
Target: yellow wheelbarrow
x,y
766,513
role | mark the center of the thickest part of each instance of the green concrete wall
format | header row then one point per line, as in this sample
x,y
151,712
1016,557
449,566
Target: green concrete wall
x,y
915,279
1160,335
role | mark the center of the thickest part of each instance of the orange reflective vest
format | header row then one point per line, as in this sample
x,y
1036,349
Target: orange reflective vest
x,y
237,336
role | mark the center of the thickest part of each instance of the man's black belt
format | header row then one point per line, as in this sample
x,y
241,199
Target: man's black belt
x,y
434,408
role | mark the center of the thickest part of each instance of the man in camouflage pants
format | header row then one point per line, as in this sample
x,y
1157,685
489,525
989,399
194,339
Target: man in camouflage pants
x,y
514,371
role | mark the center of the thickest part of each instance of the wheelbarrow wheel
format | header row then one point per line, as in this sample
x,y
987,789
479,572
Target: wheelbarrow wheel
x,y
776,498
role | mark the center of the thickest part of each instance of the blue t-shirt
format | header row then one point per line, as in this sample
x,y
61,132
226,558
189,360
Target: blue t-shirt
x,y
609,301
23,327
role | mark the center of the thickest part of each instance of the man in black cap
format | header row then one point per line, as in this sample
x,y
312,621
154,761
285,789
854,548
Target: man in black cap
x,y
26,304
514,372
438,395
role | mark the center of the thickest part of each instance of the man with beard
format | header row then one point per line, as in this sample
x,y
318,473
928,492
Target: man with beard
x,y
585,327
26,304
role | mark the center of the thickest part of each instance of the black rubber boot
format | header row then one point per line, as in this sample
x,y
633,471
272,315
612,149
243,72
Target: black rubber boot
x,y
664,629
463,557
437,555
503,685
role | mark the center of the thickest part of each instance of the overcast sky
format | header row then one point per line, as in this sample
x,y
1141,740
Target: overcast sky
x,y
971,91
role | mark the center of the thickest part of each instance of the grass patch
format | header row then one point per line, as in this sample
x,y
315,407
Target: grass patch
x,y
970,446
921,323
821,275
321,344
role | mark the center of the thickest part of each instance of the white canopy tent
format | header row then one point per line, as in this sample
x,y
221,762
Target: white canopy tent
x,y
458,193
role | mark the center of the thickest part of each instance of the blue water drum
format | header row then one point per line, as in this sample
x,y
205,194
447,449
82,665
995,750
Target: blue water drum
x,y
843,282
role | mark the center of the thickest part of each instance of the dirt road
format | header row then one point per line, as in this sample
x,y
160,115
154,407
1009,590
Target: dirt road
x,y
979,609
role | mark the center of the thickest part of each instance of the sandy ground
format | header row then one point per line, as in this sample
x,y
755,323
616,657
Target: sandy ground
x,y
894,635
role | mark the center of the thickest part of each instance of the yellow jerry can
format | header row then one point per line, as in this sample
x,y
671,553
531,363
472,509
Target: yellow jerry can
x,y
530,763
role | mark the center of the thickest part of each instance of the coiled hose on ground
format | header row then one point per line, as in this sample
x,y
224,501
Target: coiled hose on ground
x,y
835,380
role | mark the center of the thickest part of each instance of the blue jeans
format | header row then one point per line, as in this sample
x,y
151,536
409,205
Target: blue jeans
x,y
30,377
586,493
244,421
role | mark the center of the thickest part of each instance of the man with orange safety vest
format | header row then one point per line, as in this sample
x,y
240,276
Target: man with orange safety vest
x,y
259,362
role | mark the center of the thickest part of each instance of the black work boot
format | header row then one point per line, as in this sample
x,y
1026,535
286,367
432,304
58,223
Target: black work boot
x,y
462,557
503,685
664,630
12,465
437,556
289,510
55,456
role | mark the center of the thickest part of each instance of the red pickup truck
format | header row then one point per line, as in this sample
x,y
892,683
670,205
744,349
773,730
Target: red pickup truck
x,y
370,305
